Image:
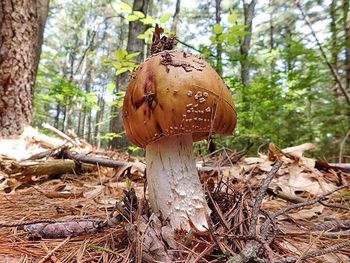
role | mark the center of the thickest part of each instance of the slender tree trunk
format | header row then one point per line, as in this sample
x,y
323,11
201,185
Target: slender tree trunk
x,y
88,109
21,31
347,42
245,45
134,45
57,116
244,61
99,116
334,32
68,103
219,44
272,38
80,119
173,28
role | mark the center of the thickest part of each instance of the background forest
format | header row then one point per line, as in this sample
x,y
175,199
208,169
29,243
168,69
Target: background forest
x,y
287,64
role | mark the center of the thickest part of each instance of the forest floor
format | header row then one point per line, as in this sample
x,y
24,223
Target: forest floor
x,y
57,205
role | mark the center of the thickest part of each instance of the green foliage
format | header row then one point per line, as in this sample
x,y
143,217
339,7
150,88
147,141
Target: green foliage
x,y
135,151
122,61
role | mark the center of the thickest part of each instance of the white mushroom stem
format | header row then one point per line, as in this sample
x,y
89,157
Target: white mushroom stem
x,y
174,187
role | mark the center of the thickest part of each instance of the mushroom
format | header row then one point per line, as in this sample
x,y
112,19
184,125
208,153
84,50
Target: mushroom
x,y
173,99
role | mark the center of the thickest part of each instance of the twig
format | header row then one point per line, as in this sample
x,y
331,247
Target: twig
x,y
251,249
330,66
260,196
315,253
308,203
342,146
285,196
59,133
96,160
54,250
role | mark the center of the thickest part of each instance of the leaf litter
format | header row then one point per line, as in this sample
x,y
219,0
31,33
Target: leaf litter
x,y
75,211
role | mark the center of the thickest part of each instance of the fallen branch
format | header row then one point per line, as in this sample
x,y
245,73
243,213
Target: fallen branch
x,y
251,250
307,203
50,228
61,134
24,171
260,196
314,253
101,161
285,196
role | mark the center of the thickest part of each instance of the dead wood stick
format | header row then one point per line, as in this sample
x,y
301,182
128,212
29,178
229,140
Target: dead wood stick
x,y
59,133
251,249
48,167
97,160
285,196
342,166
314,253
260,196
307,203
102,161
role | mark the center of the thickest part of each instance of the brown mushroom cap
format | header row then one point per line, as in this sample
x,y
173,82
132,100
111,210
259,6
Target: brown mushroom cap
x,y
172,93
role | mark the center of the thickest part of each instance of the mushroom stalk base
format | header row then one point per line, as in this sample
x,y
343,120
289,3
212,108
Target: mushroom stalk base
x,y
174,187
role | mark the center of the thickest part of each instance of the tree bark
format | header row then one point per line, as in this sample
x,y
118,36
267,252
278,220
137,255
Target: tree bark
x,y
334,32
21,33
219,44
245,45
173,28
347,43
134,45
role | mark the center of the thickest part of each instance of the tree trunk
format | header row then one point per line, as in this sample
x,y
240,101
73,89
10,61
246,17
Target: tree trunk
x,y
173,28
99,116
347,42
21,31
218,44
134,45
244,50
272,38
245,45
334,32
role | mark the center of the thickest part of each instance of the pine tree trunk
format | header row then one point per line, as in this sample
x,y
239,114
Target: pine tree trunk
x,y
21,30
245,45
219,44
347,42
134,45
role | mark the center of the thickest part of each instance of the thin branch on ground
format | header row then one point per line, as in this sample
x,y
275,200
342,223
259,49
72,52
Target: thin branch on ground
x,y
315,253
251,249
260,196
308,203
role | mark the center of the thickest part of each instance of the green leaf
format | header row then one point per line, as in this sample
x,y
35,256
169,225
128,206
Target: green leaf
x,y
110,86
125,7
132,55
165,17
217,28
232,17
120,53
132,18
121,70
139,14
147,20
